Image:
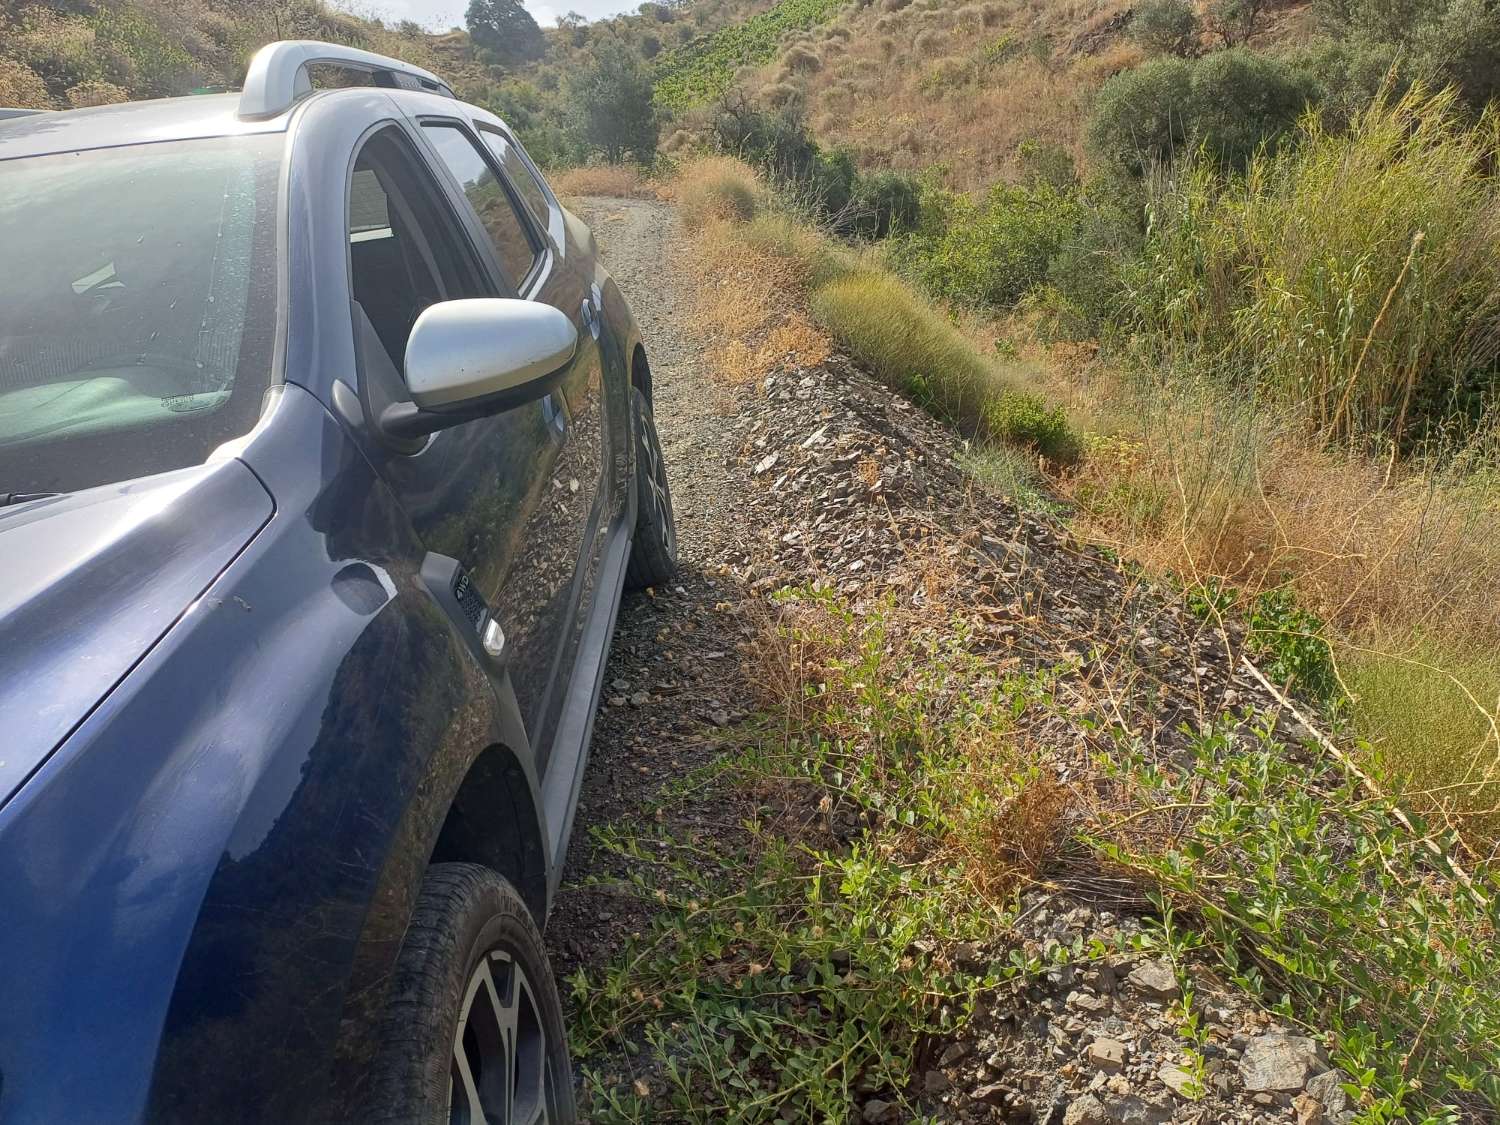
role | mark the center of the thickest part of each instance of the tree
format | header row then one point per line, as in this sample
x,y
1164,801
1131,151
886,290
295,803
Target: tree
x,y
1166,27
610,98
505,29
1234,21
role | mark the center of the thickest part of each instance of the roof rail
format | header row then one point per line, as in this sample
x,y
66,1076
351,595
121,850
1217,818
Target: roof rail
x,y
278,74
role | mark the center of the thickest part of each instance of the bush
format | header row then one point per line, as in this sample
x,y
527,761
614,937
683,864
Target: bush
x,y
1141,117
22,88
1351,278
1240,100
95,93
1349,74
1229,103
884,203
610,98
909,346
823,184
1166,27
1463,50
1021,419
716,187
990,253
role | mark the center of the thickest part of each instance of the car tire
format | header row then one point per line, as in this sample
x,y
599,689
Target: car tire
x,y
472,974
653,552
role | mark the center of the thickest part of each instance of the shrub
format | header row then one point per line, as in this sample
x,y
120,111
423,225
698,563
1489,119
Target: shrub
x,y
95,93
1229,103
1021,419
909,346
884,203
21,87
1349,277
1166,27
1349,74
610,99
1141,117
716,187
1240,100
1462,49
801,59
1234,21
990,253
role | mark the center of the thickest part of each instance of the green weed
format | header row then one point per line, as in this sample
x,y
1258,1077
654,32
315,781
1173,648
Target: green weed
x,y
1314,899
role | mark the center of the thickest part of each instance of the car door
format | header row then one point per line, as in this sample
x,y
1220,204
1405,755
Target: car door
x,y
486,492
566,552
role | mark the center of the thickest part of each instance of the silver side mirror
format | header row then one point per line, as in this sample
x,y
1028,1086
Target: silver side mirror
x,y
471,358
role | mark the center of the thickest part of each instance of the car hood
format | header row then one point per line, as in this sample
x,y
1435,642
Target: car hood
x,y
90,581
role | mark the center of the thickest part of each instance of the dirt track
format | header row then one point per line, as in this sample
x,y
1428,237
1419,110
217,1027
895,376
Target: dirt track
x,y
823,474
674,672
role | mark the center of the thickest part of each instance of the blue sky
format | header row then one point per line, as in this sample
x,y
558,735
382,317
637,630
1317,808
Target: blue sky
x,y
443,14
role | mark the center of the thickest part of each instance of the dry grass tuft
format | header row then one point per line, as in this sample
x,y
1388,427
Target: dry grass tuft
x,y
1400,563
716,187
621,181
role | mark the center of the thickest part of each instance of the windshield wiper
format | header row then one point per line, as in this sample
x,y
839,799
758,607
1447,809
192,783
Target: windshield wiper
x,y
9,498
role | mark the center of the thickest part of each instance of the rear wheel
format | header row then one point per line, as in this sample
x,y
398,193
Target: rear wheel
x,y
653,552
474,1031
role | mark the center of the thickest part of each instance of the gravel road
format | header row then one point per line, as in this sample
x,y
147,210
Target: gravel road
x,y
674,674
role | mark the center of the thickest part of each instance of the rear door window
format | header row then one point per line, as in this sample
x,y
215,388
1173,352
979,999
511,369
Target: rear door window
x,y
516,244
520,175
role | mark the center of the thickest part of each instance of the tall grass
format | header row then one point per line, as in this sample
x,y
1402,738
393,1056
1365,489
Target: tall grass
x,y
871,313
1351,276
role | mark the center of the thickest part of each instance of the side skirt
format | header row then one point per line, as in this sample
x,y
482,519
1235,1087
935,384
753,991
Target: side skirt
x,y
575,727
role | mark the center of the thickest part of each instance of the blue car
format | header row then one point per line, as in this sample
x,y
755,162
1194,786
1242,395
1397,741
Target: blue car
x,y
326,451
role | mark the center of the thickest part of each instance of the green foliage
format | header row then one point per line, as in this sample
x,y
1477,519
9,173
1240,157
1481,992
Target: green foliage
x,y
1440,42
884,203
1141,118
1291,647
1025,420
1425,711
1234,21
1350,73
610,99
821,183
1228,103
1241,100
786,978
1166,27
1316,900
701,71
1342,276
993,252
907,345
505,30
539,118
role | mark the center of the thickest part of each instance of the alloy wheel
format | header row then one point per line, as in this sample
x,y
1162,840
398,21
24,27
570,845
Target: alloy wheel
x,y
501,1073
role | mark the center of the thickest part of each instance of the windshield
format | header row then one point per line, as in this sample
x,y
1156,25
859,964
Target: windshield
x,y
137,307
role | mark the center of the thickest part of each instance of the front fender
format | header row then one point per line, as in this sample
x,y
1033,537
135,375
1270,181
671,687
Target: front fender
x,y
189,881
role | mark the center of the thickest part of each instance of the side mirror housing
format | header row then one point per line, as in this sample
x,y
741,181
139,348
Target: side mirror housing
x,y
470,358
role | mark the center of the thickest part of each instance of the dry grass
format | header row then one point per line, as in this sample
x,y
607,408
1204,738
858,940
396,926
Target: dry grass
x,y
620,181
911,88
712,188
741,310
1401,564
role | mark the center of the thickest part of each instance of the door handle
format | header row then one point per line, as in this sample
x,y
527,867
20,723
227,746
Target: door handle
x,y
590,315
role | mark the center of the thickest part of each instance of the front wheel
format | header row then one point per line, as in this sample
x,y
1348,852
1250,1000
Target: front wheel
x,y
653,552
473,1034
